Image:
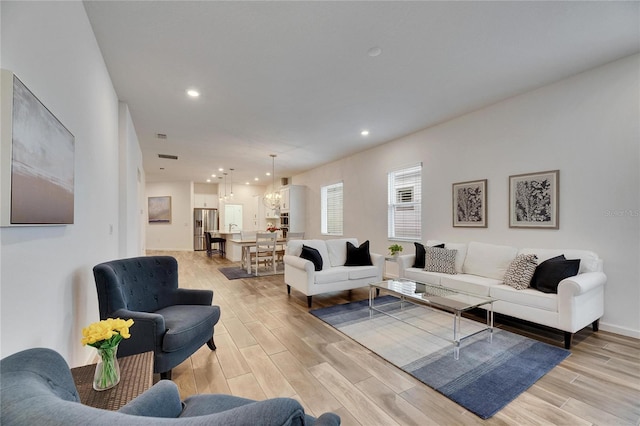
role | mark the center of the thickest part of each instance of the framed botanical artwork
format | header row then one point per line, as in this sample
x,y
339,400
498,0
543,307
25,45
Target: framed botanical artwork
x,y
470,204
160,209
534,200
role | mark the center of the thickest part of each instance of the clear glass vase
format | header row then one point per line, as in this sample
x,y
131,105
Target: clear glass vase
x,y
107,373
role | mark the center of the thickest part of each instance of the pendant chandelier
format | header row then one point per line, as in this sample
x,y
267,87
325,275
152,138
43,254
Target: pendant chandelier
x,y
271,199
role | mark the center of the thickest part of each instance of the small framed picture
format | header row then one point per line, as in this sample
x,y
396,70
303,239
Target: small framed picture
x,y
470,204
160,209
534,200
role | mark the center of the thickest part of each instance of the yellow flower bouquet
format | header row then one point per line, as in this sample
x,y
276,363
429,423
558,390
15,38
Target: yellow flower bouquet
x,y
105,336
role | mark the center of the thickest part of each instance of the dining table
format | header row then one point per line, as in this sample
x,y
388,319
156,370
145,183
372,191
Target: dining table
x,y
246,245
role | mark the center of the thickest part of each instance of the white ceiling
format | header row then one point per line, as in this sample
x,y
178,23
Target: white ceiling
x,y
295,78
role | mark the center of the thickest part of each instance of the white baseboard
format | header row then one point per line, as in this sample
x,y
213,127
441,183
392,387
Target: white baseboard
x,y
620,330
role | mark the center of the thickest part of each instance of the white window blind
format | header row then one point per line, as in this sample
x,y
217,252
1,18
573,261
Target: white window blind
x,y
332,201
405,201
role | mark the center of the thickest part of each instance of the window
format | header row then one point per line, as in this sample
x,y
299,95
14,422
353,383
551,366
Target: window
x,y
405,197
331,209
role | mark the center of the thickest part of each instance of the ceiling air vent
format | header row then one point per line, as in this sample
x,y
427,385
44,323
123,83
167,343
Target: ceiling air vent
x,y
161,136
168,157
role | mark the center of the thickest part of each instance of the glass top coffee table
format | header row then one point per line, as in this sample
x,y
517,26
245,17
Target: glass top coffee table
x,y
434,296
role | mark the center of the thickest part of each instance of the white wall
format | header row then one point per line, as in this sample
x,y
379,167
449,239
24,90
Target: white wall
x,y
48,290
586,126
177,235
132,186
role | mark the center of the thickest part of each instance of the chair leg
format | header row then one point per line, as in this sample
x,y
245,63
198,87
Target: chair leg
x,y
211,344
166,375
309,301
596,325
288,289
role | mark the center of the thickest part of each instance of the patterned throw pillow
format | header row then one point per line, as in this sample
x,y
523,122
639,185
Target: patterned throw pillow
x,y
440,260
520,271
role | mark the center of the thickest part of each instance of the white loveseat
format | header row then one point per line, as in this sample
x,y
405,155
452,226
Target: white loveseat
x,y
300,273
480,269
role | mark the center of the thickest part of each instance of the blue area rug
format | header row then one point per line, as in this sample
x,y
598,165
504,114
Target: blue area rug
x,y
490,372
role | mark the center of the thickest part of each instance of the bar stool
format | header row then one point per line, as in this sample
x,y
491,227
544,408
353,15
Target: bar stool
x,y
215,240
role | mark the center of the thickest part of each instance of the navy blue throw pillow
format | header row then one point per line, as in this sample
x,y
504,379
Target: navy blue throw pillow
x,y
549,273
421,254
313,255
358,256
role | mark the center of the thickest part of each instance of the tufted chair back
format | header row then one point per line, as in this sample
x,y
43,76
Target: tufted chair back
x,y
143,284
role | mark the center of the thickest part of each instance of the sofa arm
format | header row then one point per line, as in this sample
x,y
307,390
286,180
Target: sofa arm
x,y
147,332
299,263
404,262
186,296
162,400
581,283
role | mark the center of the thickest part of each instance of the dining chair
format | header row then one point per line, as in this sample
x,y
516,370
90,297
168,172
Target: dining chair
x,y
247,253
265,250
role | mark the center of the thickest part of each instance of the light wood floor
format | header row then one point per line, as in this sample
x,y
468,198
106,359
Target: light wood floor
x,y
270,346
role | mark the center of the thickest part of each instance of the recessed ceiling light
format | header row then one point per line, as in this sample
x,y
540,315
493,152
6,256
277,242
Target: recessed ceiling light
x,y
220,169
213,175
208,180
193,93
364,133
374,51
256,179
268,173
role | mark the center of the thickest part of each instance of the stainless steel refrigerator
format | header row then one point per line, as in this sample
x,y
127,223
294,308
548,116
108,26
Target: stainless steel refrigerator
x,y
204,220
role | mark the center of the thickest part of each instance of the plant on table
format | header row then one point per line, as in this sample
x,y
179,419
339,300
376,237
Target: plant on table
x,y
395,249
105,336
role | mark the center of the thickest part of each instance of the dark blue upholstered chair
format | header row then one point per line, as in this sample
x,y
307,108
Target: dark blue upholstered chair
x,y
170,321
37,389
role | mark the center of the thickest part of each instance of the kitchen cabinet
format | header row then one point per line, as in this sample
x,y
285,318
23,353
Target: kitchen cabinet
x,y
271,213
292,208
201,200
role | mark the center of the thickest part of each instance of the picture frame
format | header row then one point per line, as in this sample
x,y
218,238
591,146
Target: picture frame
x,y
159,209
470,204
37,161
534,200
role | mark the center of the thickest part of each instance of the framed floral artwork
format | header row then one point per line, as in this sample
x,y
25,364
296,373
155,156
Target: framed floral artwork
x,y
470,204
534,200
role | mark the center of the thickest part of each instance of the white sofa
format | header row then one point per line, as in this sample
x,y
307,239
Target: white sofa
x,y
480,269
300,273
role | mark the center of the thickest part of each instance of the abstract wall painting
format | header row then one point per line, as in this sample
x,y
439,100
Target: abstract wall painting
x,y
159,209
534,200
470,204
37,160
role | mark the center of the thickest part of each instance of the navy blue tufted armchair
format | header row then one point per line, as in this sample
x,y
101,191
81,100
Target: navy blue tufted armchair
x,y
170,321
37,389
